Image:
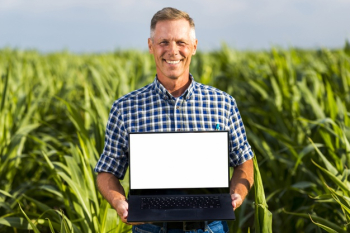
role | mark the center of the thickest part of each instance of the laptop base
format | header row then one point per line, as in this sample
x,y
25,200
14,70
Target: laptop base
x,y
136,214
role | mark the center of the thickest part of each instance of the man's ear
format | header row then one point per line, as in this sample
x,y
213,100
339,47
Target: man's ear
x,y
150,46
195,46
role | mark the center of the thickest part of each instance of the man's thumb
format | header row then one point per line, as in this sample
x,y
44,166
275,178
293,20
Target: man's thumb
x,y
125,214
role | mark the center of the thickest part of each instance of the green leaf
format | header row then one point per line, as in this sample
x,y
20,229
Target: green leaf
x,y
34,228
67,225
16,222
282,137
306,150
319,220
50,225
4,91
311,100
51,189
112,221
336,180
328,229
75,117
303,185
5,193
322,197
329,166
263,217
343,201
44,208
48,161
258,185
80,194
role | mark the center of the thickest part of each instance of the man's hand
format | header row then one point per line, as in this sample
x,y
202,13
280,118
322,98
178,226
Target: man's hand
x,y
122,209
241,182
236,200
121,206
111,189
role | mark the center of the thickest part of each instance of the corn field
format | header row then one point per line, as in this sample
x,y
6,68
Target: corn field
x,y
294,103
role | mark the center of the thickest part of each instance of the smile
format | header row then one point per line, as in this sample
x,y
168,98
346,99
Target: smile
x,y
172,62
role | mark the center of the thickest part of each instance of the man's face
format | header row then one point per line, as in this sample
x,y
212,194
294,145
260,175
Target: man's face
x,y
172,47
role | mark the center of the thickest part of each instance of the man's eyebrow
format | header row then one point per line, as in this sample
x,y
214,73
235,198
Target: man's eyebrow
x,y
186,41
177,40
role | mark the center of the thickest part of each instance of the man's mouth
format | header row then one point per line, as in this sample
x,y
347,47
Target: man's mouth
x,y
172,62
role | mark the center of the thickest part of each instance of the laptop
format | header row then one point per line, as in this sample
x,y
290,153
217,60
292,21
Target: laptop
x,y
179,176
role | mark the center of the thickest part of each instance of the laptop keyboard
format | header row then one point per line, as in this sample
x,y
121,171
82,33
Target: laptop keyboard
x,y
180,202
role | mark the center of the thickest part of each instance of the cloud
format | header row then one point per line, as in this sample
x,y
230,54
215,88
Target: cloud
x,y
43,6
245,23
211,12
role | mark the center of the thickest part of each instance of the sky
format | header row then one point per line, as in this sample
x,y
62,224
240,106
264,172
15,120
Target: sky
x,y
85,26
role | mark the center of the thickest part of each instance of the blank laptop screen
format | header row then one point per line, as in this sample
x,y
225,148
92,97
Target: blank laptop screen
x,y
179,160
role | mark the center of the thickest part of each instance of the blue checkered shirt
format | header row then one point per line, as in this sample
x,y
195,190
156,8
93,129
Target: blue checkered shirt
x,y
153,108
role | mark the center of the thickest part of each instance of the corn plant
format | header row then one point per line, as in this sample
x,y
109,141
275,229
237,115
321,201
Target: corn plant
x,y
54,108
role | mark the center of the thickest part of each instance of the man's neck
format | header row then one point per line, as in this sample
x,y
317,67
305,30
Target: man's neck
x,y
176,87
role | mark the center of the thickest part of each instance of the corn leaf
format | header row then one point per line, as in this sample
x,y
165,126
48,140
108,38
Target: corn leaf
x,y
263,217
320,220
16,222
336,180
34,228
328,229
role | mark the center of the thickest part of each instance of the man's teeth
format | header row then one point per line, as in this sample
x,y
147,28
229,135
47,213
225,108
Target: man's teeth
x,y
172,62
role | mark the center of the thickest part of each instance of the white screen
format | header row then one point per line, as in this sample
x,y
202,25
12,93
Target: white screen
x,y
179,160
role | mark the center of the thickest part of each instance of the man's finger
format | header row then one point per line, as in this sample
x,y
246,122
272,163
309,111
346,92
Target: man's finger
x,y
125,214
122,210
236,200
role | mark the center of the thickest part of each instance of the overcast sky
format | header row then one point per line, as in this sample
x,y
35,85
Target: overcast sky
x,y
106,25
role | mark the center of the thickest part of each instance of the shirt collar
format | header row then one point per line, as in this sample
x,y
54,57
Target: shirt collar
x,y
159,89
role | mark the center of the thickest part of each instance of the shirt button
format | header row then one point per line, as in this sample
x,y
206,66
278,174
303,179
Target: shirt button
x,y
178,129
177,107
165,97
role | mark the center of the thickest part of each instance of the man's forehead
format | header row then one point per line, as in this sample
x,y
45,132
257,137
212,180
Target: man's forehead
x,y
169,23
172,38
173,28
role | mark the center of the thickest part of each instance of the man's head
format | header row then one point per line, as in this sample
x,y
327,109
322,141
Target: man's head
x,y
172,44
169,13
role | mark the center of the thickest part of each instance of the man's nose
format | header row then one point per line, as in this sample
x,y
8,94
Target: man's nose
x,y
173,49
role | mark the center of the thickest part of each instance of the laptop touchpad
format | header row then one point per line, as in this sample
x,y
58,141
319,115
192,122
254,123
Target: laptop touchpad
x,y
181,214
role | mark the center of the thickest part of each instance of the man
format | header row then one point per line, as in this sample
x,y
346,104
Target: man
x,y
173,102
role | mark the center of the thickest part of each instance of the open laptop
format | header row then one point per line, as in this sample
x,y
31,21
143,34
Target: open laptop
x,y
168,169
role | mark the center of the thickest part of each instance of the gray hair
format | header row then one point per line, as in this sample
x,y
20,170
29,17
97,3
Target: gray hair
x,y
169,13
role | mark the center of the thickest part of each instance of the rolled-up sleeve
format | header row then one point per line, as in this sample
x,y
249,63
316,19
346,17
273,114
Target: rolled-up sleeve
x,y
114,158
240,150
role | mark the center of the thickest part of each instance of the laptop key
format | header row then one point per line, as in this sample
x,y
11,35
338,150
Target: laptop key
x,y
180,202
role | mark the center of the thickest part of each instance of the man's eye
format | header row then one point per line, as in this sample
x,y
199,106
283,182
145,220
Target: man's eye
x,y
164,42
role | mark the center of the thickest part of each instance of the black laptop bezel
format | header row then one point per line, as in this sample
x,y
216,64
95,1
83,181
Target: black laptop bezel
x,y
181,191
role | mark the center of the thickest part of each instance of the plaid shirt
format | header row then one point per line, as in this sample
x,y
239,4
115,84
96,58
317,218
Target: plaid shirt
x,y
153,108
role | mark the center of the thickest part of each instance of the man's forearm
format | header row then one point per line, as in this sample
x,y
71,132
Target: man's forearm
x,y
110,188
242,179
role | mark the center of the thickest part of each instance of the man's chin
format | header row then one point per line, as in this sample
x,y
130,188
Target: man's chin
x,y
173,76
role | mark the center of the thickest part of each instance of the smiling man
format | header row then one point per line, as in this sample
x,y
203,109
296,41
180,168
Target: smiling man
x,y
173,102
172,44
